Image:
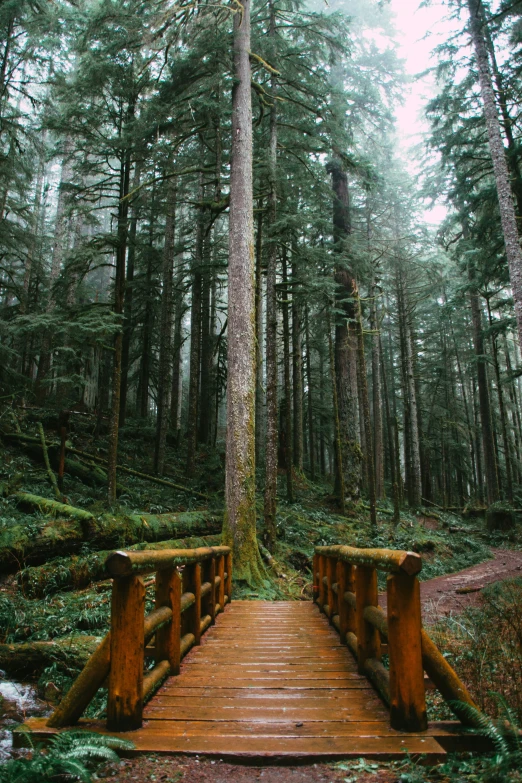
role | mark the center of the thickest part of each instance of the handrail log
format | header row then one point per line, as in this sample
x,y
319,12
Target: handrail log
x,y
187,599
380,676
155,620
155,677
81,692
445,678
147,561
375,616
390,560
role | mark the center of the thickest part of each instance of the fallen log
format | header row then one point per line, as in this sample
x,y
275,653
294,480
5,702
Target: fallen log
x,y
31,658
37,541
79,571
139,474
51,507
92,475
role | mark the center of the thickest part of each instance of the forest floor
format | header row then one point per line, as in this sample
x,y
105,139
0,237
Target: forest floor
x,y
460,559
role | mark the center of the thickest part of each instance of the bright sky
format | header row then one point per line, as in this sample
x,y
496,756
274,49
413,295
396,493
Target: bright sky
x,y
413,25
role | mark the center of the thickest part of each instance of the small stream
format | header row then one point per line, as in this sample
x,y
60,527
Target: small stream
x,y
18,701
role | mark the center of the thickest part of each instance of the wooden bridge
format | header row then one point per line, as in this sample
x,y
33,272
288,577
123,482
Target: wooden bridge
x,y
269,680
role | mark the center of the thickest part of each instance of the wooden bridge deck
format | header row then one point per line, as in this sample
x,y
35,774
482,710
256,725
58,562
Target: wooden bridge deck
x,y
271,680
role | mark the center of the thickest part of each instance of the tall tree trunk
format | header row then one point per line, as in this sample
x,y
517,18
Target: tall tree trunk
x,y
378,445
260,423
60,234
310,407
502,410
239,530
498,156
337,425
205,407
297,374
129,296
365,400
146,347
119,297
287,398
345,338
271,457
165,364
195,343
488,444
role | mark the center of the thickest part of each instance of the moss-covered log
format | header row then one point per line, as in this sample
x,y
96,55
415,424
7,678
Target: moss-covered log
x,y
51,507
92,475
37,541
31,658
74,573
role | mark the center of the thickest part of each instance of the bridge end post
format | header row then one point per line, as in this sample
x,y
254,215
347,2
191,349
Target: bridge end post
x,y
125,700
407,690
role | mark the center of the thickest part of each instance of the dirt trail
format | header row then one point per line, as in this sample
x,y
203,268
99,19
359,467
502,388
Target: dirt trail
x,y
454,592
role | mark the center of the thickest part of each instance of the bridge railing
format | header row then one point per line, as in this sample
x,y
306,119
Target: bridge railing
x,y
345,589
191,587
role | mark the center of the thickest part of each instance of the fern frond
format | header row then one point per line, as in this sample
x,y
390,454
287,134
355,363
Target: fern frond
x,y
483,723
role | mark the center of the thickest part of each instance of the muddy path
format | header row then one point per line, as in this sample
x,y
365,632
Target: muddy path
x,y
453,593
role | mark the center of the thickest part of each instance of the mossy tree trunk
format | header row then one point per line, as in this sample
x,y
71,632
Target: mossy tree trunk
x,y
239,529
165,363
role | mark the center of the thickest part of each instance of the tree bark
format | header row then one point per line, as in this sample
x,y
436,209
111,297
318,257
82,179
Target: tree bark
x,y
287,399
488,444
165,365
195,343
345,339
271,438
239,530
498,156
119,297
297,374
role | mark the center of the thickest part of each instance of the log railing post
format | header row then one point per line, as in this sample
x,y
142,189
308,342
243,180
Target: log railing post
x,y
321,598
168,637
407,690
221,588
345,584
192,584
315,578
366,594
331,566
211,602
125,700
228,568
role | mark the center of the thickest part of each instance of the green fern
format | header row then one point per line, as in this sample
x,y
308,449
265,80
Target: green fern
x,y
504,734
69,754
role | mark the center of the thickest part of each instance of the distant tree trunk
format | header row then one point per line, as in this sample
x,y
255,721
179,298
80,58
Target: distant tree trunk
x,y
287,398
165,359
60,233
239,530
310,408
119,297
488,444
195,343
271,460
345,339
498,156
378,445
297,374
205,407
339,483
365,400
502,410
129,297
260,423
144,379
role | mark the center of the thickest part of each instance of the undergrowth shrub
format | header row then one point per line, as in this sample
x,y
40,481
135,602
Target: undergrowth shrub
x,y
69,756
484,644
